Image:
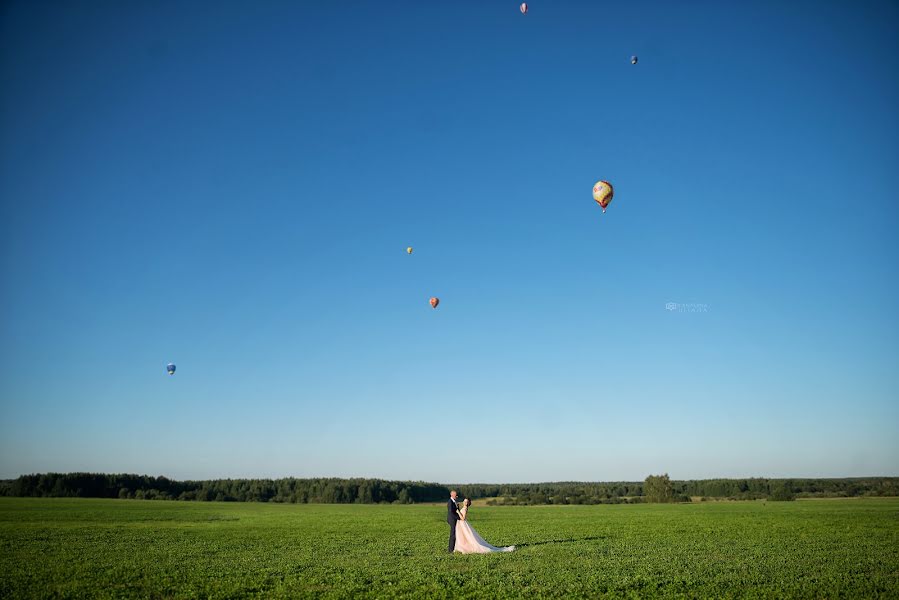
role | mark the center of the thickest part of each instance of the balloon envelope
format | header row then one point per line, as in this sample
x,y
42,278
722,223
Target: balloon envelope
x,y
634,60
602,193
524,8
435,302
170,368
409,250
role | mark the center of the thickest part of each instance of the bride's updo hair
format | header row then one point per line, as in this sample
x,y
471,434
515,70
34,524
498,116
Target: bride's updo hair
x,y
468,502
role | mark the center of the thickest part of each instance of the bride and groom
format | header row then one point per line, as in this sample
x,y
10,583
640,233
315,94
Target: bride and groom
x,y
463,538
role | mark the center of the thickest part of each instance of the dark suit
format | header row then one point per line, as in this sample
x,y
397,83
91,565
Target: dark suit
x,y
451,517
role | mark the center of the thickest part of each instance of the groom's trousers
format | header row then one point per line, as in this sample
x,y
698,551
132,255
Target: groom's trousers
x,y
452,543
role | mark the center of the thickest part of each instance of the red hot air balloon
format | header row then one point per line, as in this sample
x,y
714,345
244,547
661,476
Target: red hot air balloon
x,y
523,8
435,302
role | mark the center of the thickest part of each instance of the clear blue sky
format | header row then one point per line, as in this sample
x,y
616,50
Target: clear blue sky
x,y
232,186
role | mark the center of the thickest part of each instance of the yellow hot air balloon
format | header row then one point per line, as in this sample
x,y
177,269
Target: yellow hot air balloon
x,y
602,193
409,250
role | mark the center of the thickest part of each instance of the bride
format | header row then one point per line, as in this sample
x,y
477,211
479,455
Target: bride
x,y
467,539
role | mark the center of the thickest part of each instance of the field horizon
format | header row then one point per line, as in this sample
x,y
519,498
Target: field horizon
x,y
74,547
655,488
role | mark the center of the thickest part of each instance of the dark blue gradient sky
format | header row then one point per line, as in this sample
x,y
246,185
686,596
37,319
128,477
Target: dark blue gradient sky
x,y
232,186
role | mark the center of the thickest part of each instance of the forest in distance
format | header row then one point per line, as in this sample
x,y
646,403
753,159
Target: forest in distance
x,y
655,488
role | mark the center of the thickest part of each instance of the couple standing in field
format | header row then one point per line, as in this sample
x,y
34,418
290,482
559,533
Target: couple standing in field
x,y
463,538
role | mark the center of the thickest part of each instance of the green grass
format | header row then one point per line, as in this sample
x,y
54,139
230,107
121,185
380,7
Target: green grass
x,y
129,548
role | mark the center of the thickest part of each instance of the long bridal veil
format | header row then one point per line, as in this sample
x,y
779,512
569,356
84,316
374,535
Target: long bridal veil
x,y
469,542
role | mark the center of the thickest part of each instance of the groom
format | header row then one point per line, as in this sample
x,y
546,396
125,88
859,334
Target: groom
x,y
452,515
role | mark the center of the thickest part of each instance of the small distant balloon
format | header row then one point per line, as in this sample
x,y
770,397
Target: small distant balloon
x,y
634,60
523,8
435,302
409,250
602,193
170,368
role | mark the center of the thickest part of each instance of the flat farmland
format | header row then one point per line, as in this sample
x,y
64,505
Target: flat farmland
x,y
78,548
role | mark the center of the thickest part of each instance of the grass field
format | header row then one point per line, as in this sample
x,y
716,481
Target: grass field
x,y
131,548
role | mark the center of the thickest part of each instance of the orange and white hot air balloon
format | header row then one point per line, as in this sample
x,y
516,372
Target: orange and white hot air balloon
x,y
602,193
523,8
435,302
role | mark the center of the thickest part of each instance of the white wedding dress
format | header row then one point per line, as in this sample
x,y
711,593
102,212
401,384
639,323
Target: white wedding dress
x,y
469,542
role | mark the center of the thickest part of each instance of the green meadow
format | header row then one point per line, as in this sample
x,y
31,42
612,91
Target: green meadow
x,y
76,548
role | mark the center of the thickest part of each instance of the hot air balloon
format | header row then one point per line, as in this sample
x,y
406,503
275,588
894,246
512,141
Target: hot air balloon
x,y
634,60
435,302
602,193
409,250
523,8
170,368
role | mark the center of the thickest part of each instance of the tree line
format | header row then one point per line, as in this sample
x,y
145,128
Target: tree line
x,y
291,490
660,488
655,488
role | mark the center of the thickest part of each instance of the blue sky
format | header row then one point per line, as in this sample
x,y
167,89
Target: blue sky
x,y
232,186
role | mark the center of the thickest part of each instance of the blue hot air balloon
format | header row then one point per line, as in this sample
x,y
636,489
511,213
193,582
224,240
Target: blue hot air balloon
x,y
170,368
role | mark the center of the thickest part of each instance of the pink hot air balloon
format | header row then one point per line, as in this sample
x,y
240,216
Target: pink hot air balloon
x,y
435,302
523,8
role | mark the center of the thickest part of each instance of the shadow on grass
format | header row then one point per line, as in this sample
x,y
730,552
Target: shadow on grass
x,y
565,541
